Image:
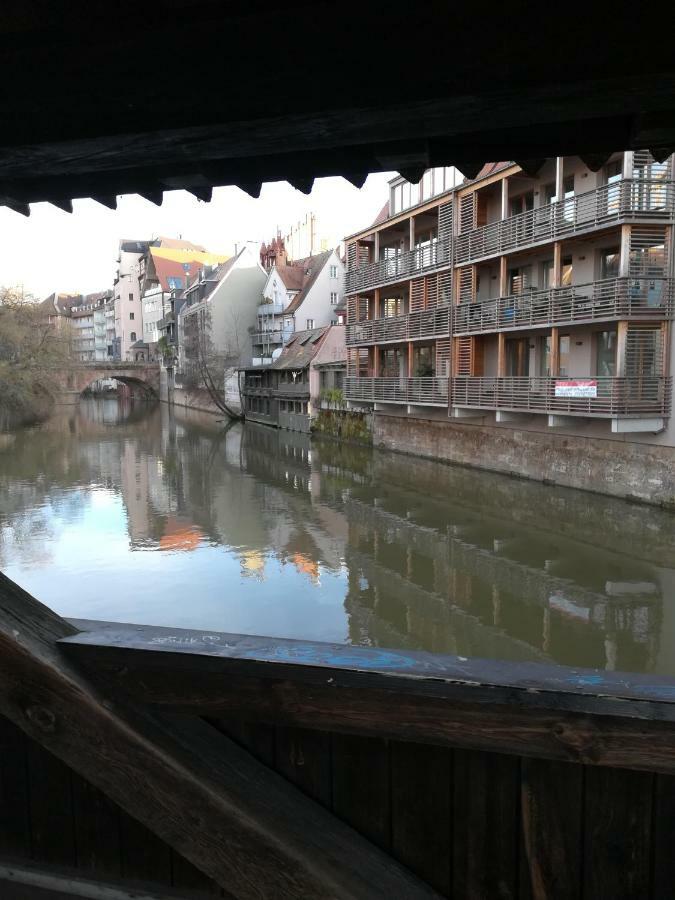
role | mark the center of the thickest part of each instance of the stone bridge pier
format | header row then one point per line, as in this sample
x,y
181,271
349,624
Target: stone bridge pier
x,y
69,384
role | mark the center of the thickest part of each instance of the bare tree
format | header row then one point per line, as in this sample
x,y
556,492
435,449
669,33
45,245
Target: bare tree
x,y
204,365
32,347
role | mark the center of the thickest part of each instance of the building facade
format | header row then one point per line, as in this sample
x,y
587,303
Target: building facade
x,y
280,394
127,294
215,322
297,296
538,297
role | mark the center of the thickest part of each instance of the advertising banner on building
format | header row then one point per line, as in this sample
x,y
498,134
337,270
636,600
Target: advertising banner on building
x,y
578,387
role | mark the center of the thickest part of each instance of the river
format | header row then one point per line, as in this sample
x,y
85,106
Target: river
x,y
138,513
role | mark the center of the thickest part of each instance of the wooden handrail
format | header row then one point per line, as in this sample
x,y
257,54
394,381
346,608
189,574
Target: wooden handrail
x,y
537,710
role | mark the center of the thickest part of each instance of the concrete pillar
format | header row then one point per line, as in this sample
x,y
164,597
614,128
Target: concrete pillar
x,y
376,246
624,257
621,333
411,237
557,264
627,168
503,276
559,177
505,198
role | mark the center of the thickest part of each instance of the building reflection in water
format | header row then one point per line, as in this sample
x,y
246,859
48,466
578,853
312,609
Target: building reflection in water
x,y
420,554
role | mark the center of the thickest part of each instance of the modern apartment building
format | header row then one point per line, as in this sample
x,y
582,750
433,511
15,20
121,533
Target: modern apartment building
x,y
535,296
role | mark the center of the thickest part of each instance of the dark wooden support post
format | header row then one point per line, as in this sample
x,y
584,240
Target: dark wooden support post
x,y
237,821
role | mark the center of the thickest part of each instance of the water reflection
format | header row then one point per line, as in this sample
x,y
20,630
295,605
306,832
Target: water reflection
x,y
130,513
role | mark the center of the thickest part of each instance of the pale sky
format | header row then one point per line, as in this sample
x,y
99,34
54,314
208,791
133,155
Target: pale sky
x,y
56,251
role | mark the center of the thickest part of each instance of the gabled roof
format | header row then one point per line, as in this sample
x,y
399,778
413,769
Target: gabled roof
x,y
292,275
383,214
301,349
310,267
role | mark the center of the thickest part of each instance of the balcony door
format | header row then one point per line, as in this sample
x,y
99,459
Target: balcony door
x,y
605,353
517,357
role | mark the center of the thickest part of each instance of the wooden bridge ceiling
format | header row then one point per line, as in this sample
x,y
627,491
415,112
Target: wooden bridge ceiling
x,y
139,97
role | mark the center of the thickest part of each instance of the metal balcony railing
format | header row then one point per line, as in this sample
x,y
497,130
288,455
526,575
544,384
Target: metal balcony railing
x,y
626,199
425,391
278,336
610,298
399,268
272,308
426,323
638,395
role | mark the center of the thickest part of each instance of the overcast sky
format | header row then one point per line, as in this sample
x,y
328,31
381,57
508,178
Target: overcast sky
x,y
55,251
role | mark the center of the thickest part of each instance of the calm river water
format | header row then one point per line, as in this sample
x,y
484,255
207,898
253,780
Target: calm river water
x,y
135,514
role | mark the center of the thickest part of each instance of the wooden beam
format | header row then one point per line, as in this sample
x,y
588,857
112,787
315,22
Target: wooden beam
x,y
238,822
555,352
532,709
501,354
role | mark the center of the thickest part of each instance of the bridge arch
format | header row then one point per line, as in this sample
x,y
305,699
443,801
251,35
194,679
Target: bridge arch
x,y
71,383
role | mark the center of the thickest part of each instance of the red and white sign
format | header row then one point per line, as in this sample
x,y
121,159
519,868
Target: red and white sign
x,y
578,387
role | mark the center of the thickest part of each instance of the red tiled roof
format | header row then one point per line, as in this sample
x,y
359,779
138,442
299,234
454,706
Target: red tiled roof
x,y
310,268
383,214
490,169
293,276
166,268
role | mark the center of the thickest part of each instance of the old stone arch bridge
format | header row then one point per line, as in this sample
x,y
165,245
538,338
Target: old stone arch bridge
x,y
71,382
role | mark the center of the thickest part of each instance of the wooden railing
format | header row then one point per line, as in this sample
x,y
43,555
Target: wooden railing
x,y
427,323
644,395
610,298
594,209
401,267
424,390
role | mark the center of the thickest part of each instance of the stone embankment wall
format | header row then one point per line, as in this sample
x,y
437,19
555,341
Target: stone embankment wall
x,y
619,468
350,426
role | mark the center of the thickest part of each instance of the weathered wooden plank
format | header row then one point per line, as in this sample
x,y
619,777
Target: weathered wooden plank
x,y
551,822
31,882
485,815
663,838
51,808
144,857
361,786
570,716
617,834
205,649
241,824
97,830
257,738
421,816
14,818
303,756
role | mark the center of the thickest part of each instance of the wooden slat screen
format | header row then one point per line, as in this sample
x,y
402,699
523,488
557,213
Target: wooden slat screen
x,y
445,219
467,213
645,350
358,362
463,356
466,284
431,290
352,310
416,294
351,256
648,251
445,288
646,167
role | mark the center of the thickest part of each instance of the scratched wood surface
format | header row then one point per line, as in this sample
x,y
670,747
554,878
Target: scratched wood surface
x,y
471,824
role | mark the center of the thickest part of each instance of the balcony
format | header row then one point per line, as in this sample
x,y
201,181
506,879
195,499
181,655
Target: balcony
x,y
634,396
291,389
426,323
597,301
406,265
272,308
623,200
278,336
423,391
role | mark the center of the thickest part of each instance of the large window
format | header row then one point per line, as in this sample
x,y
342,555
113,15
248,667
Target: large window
x,y
605,353
564,355
609,262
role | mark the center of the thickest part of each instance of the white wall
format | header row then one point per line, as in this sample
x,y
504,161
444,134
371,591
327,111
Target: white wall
x,y
317,305
127,301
